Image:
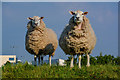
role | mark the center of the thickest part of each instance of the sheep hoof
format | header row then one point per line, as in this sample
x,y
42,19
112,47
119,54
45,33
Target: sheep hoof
x,y
79,67
71,66
88,65
39,64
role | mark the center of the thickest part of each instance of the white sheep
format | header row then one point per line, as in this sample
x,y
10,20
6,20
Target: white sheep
x,y
39,39
78,37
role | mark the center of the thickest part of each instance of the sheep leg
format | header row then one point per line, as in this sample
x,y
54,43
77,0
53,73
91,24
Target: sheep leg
x,y
42,59
35,60
88,60
71,64
50,60
38,60
79,61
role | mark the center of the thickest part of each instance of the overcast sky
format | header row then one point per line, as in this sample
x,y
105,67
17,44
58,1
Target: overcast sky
x,y
103,18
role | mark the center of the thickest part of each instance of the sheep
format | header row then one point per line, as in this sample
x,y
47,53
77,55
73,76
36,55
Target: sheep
x,y
78,37
40,40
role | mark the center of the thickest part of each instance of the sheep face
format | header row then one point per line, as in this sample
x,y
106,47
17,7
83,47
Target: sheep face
x,y
78,16
35,21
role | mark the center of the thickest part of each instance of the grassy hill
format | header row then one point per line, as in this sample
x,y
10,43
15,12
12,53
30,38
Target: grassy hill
x,y
45,71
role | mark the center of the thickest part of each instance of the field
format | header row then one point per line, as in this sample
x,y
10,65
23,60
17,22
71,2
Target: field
x,y
45,71
102,67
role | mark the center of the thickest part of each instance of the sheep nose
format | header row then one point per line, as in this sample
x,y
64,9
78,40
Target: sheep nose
x,y
77,18
36,23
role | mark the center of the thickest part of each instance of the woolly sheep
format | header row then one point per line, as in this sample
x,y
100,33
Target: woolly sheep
x,y
39,39
78,37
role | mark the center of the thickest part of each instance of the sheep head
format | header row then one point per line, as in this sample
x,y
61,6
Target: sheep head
x,y
78,17
35,21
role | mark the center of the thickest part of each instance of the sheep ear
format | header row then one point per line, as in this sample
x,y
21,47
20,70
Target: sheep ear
x,y
41,17
29,18
85,13
71,12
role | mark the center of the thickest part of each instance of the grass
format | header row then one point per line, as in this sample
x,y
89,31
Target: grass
x,y
45,71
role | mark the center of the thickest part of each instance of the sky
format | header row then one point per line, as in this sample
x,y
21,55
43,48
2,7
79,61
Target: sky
x,y
119,29
103,18
0,36
60,0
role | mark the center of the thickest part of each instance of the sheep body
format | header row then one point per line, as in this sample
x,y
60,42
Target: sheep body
x,y
40,40
75,41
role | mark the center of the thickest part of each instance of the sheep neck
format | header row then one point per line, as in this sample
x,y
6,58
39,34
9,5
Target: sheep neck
x,y
79,26
41,29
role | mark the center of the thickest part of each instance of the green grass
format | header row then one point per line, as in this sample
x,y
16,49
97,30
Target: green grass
x,y
45,71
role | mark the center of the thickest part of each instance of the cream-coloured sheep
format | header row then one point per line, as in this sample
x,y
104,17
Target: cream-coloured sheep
x,y
78,37
39,39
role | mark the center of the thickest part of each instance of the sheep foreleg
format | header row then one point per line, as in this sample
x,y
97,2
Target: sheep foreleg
x,y
50,60
71,64
35,60
79,61
42,59
88,60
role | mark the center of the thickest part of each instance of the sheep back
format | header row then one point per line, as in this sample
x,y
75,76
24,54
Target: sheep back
x,y
74,41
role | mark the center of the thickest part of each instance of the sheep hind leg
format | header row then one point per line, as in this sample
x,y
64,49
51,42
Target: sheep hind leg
x,y
88,60
71,64
42,59
38,60
35,60
79,61
50,60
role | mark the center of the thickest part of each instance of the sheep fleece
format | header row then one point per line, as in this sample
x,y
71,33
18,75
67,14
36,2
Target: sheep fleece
x,y
40,40
75,41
